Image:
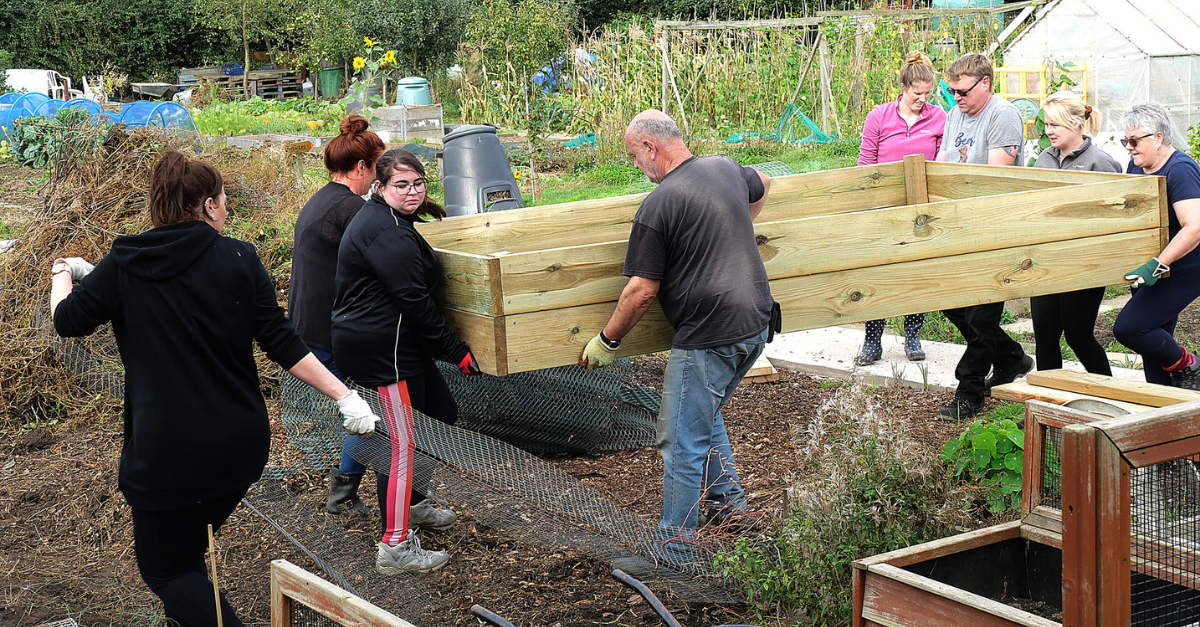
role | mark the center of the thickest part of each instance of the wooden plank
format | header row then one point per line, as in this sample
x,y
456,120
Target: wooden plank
x,y
944,546
545,339
486,336
281,604
329,600
609,219
1042,536
472,282
916,191
1164,220
950,181
761,372
1112,529
1079,498
893,596
1033,473
1168,451
1106,387
1023,391
562,277
1152,428
858,587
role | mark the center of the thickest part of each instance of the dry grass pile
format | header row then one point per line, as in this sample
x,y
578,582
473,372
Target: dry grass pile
x,y
94,196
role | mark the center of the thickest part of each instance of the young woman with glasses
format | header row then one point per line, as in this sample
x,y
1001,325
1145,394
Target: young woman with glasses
x,y
387,331
1147,322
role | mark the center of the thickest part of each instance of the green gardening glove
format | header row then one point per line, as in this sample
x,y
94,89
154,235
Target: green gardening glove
x,y
599,352
1147,274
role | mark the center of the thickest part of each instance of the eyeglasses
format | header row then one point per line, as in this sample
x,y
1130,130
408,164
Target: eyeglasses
x,y
1132,142
964,92
404,188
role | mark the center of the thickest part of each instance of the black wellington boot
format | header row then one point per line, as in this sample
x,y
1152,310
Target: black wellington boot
x,y
343,493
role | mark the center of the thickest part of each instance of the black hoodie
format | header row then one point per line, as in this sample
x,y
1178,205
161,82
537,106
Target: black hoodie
x,y
385,322
186,305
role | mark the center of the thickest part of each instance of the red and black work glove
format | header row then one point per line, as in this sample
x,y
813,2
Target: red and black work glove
x,y
468,366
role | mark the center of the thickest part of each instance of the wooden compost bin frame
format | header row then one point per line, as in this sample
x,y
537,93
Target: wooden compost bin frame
x,y
527,288
885,594
1098,454
291,584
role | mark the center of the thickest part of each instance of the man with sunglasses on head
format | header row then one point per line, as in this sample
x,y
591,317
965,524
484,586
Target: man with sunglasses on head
x,y
982,129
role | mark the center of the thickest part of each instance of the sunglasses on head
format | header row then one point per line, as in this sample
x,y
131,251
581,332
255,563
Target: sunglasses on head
x,y
1132,142
964,92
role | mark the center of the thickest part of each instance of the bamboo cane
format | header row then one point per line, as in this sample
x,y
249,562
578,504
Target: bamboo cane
x,y
212,553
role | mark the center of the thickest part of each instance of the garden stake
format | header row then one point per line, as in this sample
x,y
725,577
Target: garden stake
x,y
212,554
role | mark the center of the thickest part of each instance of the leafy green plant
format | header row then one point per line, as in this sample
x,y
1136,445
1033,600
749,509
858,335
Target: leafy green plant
x,y
296,115
369,68
993,455
1193,134
36,140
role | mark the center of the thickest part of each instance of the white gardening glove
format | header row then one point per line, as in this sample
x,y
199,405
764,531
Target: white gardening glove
x,y
359,419
78,266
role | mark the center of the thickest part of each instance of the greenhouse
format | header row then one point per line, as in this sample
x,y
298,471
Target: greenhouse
x,y
1131,52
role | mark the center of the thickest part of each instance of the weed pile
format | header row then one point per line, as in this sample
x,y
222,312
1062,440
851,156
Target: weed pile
x,y
867,488
97,191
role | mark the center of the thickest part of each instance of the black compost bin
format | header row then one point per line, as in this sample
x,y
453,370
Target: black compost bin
x,y
477,177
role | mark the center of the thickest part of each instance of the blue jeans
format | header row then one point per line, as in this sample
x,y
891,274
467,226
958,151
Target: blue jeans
x,y
348,465
697,459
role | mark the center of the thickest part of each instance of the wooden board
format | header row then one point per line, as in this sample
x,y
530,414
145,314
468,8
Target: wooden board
x,y
950,181
761,372
561,277
893,596
1023,391
551,338
290,584
1106,387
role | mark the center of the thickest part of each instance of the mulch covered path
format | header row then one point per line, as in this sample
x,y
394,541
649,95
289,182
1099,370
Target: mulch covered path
x,y
66,543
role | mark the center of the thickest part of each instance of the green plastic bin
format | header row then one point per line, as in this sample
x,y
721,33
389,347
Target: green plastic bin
x,y
413,90
331,81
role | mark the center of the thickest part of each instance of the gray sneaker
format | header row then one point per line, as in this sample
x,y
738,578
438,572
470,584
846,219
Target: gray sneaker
x,y
408,557
427,516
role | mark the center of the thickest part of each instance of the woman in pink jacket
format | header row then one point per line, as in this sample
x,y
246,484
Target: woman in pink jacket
x,y
908,126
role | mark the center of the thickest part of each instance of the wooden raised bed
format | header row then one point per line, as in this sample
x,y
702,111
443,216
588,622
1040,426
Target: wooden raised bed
x,y
1120,556
527,288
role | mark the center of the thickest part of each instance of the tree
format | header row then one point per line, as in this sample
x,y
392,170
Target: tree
x,y
268,22
424,33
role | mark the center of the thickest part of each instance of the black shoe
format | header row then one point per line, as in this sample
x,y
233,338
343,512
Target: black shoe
x,y
1000,377
343,493
960,409
868,356
1187,378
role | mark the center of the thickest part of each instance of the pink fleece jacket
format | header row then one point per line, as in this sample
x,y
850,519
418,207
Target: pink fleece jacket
x,y
887,137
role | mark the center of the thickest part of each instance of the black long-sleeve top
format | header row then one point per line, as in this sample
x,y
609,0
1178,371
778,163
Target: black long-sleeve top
x,y
319,230
385,321
186,305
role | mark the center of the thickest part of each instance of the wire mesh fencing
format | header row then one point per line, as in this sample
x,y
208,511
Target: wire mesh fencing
x,y
467,465
1165,544
1051,494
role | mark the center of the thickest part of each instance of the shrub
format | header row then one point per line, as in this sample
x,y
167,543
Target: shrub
x,y
867,489
1194,140
991,454
36,140
424,33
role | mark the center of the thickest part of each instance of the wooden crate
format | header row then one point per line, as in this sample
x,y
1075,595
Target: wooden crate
x,y
527,288
408,122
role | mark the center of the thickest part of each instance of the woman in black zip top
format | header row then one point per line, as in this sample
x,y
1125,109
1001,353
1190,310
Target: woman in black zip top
x,y
387,331
187,306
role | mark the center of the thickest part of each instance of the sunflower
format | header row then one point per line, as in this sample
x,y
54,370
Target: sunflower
x,y
359,63
367,40
390,57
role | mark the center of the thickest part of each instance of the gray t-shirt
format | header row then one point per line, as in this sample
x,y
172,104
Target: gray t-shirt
x,y
968,138
694,233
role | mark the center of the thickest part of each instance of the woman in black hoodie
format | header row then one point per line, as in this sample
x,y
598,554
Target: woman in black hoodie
x,y
186,305
387,331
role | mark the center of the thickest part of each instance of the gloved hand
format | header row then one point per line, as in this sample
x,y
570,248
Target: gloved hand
x,y
359,419
78,266
1147,274
468,366
597,354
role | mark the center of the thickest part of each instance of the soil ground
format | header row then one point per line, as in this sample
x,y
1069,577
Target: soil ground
x,y
66,540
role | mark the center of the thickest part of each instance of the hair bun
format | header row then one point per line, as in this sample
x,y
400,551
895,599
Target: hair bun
x,y
914,58
354,124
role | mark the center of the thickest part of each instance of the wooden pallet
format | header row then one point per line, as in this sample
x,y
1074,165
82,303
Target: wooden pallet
x,y
527,288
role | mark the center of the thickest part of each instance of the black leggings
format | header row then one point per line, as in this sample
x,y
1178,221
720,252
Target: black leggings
x,y
1146,323
170,548
1072,314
